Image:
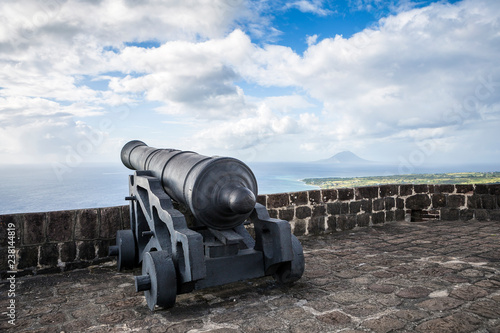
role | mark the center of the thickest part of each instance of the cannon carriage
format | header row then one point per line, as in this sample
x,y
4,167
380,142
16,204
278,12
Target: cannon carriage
x,y
187,217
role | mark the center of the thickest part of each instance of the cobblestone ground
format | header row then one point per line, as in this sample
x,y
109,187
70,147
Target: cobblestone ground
x,y
399,277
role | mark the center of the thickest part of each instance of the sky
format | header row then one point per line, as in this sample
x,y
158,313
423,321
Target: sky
x,y
405,81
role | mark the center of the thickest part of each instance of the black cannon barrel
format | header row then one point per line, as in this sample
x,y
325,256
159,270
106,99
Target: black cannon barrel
x,y
220,191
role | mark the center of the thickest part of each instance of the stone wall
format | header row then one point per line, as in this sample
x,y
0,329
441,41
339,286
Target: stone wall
x,y
318,211
61,240
64,240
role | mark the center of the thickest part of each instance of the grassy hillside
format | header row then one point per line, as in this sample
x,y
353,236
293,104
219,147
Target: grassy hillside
x,y
440,178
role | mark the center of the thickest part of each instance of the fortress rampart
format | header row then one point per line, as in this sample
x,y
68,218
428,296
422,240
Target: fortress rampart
x,y
63,240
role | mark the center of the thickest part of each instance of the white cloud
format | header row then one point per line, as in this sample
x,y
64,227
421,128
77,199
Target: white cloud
x,y
248,131
51,52
287,103
416,65
189,78
41,131
416,71
115,21
311,40
315,7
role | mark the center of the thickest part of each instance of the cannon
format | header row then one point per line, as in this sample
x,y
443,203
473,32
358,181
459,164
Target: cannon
x,y
188,214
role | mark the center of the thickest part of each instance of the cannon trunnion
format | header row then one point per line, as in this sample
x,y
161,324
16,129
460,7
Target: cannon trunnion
x,y
206,245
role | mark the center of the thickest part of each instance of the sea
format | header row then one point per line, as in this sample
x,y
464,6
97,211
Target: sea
x,y
46,188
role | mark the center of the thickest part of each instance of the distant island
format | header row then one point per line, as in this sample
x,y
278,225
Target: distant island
x,y
440,178
344,157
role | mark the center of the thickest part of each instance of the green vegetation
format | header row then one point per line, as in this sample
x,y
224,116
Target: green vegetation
x,y
438,178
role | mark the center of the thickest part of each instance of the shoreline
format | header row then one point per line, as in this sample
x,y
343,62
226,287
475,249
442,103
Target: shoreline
x,y
492,177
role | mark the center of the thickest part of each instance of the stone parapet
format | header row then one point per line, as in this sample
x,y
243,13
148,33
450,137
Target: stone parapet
x,y
63,240
60,240
331,210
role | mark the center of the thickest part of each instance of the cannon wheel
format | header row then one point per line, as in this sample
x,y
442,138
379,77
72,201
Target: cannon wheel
x,y
291,272
126,249
161,270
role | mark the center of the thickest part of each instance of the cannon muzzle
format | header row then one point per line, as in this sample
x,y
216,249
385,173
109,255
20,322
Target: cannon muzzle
x,y
220,192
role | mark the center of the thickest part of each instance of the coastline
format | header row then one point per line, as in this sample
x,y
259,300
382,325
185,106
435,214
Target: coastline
x,y
492,177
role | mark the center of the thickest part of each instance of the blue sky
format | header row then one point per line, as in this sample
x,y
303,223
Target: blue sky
x,y
409,82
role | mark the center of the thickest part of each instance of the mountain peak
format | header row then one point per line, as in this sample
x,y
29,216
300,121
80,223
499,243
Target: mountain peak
x,y
346,157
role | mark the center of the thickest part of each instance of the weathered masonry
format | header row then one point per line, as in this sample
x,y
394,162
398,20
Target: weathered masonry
x,y
64,240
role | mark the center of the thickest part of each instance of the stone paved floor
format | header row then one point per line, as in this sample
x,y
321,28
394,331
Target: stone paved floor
x,y
399,277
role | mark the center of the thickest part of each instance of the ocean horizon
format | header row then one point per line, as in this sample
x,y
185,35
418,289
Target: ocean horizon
x,y
41,188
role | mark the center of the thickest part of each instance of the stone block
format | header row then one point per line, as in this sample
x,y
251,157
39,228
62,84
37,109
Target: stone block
x,y
68,252
49,253
111,222
5,220
28,257
34,228
333,208
278,200
86,226
399,214
345,193
438,200
303,212
261,199
421,188
331,222
367,192
363,220
474,201
488,201
457,322
315,197
450,214
334,318
400,203
390,203
273,213
4,264
60,226
418,201
464,188
354,207
367,206
455,201
316,225
388,190
466,214
299,228
344,208
346,222
298,198
481,214
416,215
494,189
378,218
444,188
384,324
319,210
379,204
286,214
103,247
329,195
389,216
494,215
405,190
125,212
481,189
86,250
